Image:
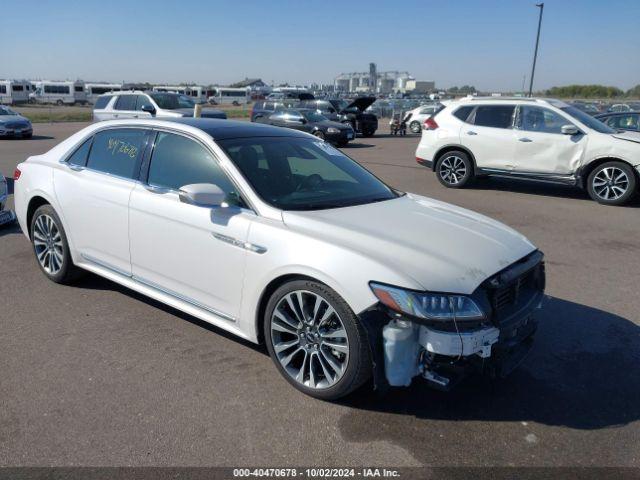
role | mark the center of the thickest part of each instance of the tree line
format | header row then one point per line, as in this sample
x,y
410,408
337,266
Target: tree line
x,y
592,91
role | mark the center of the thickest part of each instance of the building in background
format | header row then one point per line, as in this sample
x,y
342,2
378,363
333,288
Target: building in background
x,y
419,86
372,81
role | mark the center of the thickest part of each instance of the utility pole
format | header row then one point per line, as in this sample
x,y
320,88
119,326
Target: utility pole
x,y
535,54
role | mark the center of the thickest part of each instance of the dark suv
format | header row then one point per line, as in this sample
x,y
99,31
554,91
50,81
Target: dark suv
x,y
340,110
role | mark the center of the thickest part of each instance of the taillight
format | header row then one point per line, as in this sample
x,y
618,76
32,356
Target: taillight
x,y
16,174
430,124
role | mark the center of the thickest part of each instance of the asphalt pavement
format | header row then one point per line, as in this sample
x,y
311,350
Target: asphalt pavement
x,y
95,374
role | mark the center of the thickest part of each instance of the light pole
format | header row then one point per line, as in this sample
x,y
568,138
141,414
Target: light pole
x,y
535,54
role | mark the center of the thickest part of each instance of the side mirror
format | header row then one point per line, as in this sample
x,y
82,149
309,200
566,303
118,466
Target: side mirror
x,y
202,195
149,109
569,130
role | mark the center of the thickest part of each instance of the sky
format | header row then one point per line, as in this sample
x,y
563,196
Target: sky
x,y
485,43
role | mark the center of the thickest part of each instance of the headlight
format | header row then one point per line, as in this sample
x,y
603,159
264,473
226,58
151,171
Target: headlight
x,y
432,306
332,130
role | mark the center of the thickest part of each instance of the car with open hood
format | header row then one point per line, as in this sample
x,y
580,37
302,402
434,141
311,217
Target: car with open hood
x,y
339,110
280,238
14,125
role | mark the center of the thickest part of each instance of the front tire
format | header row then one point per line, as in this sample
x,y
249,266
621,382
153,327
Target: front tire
x,y
454,169
316,341
319,134
415,126
612,183
51,247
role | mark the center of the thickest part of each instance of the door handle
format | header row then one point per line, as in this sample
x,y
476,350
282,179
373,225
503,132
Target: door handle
x,y
525,139
115,115
471,132
154,189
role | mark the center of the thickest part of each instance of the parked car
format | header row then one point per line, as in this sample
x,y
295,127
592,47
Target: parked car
x,y
342,111
138,104
12,124
619,107
590,108
417,116
535,139
6,216
621,121
280,238
311,122
264,108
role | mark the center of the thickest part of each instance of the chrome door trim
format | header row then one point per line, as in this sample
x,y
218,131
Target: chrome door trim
x,y
239,243
159,288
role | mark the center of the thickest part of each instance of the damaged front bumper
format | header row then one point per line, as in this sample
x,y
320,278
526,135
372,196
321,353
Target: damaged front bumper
x,y
403,347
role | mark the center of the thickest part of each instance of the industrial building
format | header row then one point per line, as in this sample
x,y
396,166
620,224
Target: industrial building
x,y
392,81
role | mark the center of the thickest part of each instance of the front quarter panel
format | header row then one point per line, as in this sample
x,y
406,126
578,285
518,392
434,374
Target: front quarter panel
x,y
293,253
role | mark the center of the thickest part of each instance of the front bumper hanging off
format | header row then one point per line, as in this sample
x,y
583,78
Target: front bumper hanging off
x,y
445,356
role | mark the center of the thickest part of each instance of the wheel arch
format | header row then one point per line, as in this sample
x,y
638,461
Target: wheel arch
x,y
265,296
34,203
586,170
451,148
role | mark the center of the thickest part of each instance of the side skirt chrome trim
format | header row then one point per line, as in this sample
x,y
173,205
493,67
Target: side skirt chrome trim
x,y
159,288
240,244
536,177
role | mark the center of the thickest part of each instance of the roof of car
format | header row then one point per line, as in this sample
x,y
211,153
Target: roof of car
x,y
616,114
220,129
548,101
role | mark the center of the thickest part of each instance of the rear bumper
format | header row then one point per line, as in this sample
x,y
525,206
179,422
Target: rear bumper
x,y
424,163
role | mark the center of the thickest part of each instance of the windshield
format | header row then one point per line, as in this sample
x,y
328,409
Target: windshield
x,y
313,116
172,101
588,120
303,174
6,111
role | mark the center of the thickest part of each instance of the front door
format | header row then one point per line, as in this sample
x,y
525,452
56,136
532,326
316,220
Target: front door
x,y
542,148
191,252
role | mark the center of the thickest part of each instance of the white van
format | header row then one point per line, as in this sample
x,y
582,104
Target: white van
x,y
60,93
14,91
234,96
94,90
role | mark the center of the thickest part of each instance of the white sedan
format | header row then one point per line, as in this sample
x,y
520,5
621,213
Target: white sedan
x,y
277,237
416,117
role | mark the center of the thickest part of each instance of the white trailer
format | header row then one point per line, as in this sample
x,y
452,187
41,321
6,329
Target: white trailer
x,y
60,93
14,91
234,96
171,89
94,90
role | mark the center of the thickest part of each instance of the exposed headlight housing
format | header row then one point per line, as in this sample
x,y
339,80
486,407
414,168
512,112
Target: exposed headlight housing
x,y
427,305
332,130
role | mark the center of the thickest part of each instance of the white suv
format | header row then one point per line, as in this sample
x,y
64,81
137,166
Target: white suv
x,y
536,139
137,104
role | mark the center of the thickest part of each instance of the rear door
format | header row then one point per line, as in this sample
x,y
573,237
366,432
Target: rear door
x,y
488,133
125,107
93,188
541,145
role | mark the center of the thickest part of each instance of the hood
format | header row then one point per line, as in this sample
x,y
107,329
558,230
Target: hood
x,y
13,118
331,123
361,104
630,136
440,247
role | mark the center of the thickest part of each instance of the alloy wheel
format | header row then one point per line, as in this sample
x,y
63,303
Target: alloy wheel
x,y
610,183
47,242
452,170
309,339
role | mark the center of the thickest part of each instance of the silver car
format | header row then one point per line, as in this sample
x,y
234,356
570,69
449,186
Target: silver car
x,y
137,104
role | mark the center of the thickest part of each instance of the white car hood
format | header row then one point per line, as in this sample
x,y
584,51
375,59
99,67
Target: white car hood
x,y
438,246
630,136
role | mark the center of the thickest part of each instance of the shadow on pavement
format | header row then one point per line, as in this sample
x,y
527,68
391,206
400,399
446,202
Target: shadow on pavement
x,y
581,374
537,188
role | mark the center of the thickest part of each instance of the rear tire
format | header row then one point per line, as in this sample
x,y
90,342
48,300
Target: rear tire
x,y
318,134
612,183
59,103
368,133
415,126
329,347
454,169
51,246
